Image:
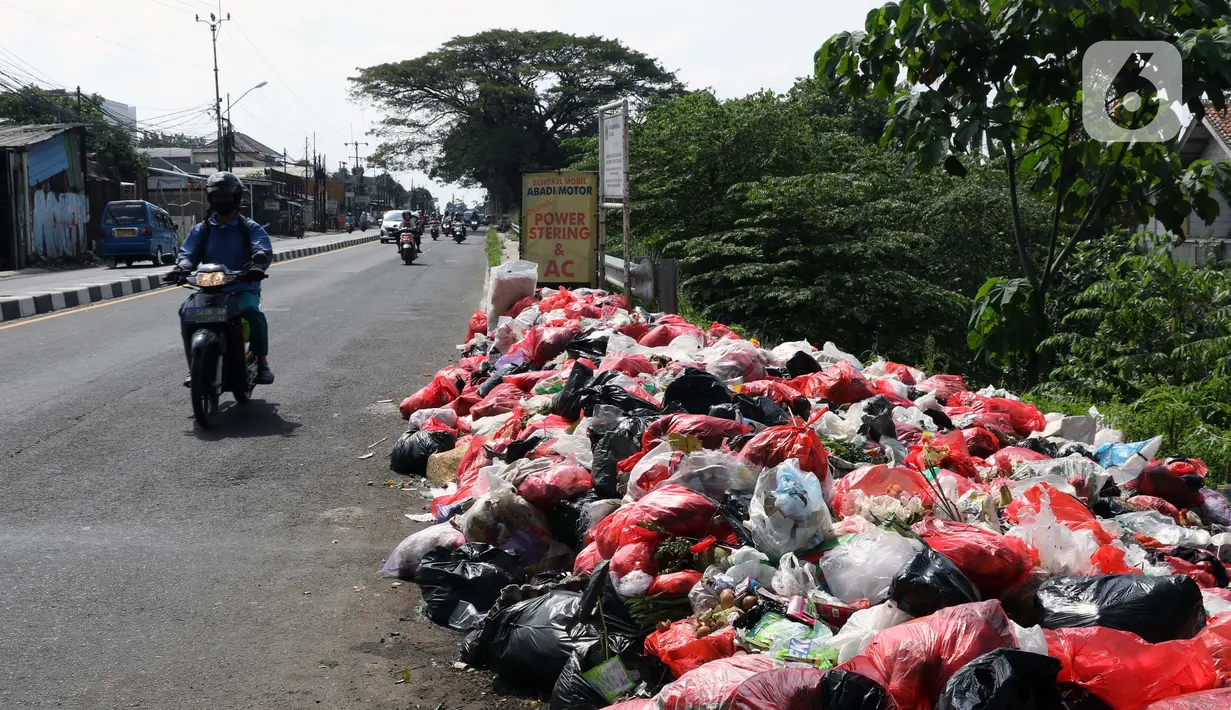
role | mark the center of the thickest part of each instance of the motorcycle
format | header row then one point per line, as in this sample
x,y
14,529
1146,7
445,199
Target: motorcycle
x,y
408,248
221,360
297,230
435,231
459,237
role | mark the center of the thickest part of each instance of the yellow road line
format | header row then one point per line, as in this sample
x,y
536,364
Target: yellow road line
x,y
133,297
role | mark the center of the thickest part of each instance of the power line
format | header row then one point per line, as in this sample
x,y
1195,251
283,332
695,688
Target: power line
x,y
101,39
296,124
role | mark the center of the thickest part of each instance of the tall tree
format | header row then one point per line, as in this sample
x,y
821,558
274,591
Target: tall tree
x,y
107,144
482,109
1005,76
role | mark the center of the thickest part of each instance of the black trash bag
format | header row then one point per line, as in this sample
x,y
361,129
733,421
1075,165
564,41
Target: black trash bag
x,y
775,371
1109,508
592,346
472,574
878,419
1195,556
1041,446
762,410
1075,697
1004,679
412,449
620,398
572,691
531,642
695,392
611,443
490,384
1155,608
516,450
569,400
847,690
566,521
929,583
801,363
941,419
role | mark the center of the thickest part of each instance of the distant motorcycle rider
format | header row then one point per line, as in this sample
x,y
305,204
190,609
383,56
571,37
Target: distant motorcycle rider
x,y
228,238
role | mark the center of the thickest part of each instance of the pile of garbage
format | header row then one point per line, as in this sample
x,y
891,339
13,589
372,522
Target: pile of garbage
x,y
637,513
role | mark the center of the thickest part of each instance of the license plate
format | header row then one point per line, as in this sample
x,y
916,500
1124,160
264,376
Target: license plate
x,y
205,315
125,232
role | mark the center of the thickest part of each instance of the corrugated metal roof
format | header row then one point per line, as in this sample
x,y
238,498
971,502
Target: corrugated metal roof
x,y
167,152
22,136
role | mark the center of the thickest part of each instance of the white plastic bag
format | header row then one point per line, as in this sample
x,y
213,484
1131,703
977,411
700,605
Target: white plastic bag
x,y
730,360
1061,551
575,448
638,485
863,566
1162,528
444,415
487,426
1214,604
794,578
864,624
788,510
405,558
749,563
510,282
1030,638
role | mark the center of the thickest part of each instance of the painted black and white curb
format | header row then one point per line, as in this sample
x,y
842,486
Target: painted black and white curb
x,y
33,304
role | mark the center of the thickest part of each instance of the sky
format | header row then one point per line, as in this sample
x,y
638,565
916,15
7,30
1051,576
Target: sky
x,y
152,54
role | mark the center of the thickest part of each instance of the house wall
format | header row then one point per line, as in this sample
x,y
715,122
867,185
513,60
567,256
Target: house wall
x,y
59,223
1220,228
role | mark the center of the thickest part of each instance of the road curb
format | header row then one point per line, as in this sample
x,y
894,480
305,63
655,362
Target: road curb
x,y
38,303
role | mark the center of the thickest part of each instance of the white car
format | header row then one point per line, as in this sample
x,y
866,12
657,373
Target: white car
x,y
388,224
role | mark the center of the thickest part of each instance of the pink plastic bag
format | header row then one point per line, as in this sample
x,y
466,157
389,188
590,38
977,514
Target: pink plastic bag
x,y
502,399
916,659
542,344
1004,459
712,686
1127,672
631,365
663,335
943,386
545,489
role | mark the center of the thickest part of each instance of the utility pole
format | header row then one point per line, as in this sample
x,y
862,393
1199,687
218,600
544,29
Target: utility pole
x,y
356,179
215,25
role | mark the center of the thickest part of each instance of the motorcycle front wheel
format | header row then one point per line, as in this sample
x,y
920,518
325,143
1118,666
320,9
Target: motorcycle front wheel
x,y
205,387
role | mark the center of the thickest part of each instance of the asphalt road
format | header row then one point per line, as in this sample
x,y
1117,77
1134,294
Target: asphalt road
x,y
144,563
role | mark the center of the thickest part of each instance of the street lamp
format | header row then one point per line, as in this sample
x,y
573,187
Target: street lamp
x,y
230,127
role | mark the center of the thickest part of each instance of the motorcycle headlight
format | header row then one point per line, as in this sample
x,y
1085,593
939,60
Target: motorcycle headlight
x,y
210,279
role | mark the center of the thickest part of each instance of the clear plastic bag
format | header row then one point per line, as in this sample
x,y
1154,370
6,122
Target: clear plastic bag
x,y
733,360
714,472
503,518
1158,526
864,566
788,510
794,578
405,558
863,625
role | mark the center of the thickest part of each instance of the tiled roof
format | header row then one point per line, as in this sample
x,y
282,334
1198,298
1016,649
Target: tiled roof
x,y
1220,121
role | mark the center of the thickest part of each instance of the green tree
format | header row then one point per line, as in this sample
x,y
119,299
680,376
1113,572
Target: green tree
x,y
482,109
107,144
1005,77
420,198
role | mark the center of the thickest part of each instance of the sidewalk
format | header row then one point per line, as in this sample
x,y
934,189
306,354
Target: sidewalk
x,y
27,294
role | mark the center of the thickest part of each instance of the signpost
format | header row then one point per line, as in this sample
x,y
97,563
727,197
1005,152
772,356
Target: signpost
x,y
557,225
613,169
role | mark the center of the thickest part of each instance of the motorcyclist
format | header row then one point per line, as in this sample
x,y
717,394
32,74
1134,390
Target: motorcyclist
x,y
228,238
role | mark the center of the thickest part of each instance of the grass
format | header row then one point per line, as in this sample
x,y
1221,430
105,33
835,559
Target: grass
x,y
495,250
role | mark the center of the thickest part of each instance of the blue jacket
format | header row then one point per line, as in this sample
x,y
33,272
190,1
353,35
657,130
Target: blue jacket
x,y
226,246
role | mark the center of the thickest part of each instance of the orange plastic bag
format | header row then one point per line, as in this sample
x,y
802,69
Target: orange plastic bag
x,y
679,648
1127,672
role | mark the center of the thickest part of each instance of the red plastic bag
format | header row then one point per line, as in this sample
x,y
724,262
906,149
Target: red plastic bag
x,y
1068,510
636,331
466,400
680,650
1127,672
712,431
896,481
1026,418
1109,559
980,441
631,365
440,391
542,343
1153,503
518,307
1216,699
712,685
889,391
501,400
956,459
916,659
675,583
587,560
673,508
634,704
841,384
904,373
942,386
781,393
718,331
472,461
1217,638
994,563
663,334
525,381
478,324
637,557
776,444
557,300
545,489
1004,459
782,689
1167,481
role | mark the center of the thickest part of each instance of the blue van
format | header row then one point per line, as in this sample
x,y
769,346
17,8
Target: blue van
x,y
135,230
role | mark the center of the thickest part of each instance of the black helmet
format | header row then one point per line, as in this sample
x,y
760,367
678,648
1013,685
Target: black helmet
x,y
224,181
405,214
